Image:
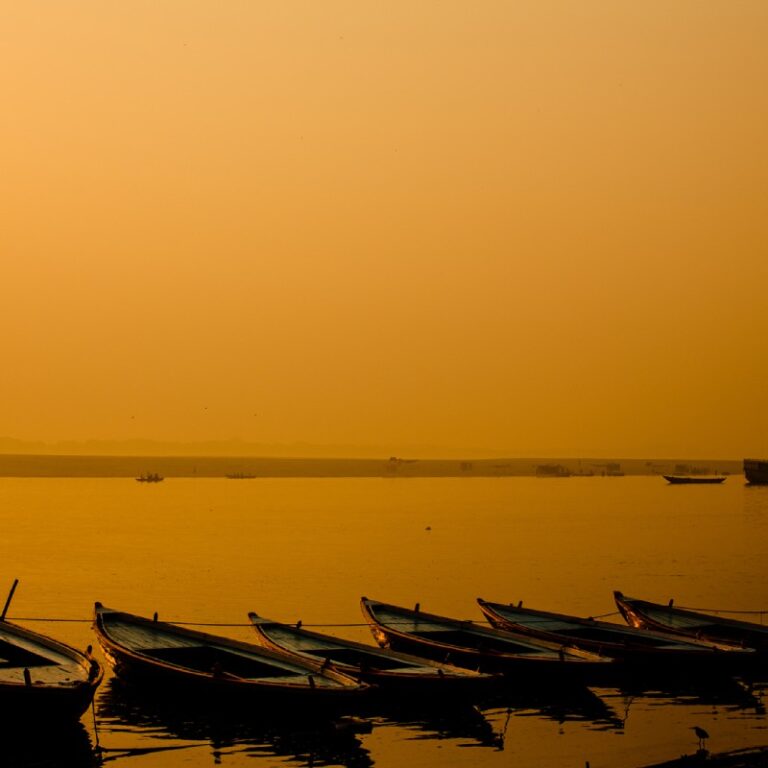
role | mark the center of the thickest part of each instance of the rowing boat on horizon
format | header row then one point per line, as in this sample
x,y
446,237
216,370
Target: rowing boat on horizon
x,y
693,479
150,477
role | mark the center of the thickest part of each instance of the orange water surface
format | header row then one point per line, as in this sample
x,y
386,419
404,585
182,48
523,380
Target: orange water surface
x,y
210,550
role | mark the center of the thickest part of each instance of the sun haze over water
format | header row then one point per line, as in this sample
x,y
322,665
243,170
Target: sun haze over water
x,y
512,227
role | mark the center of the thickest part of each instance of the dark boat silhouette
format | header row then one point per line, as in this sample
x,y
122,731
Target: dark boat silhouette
x,y
150,477
692,479
756,471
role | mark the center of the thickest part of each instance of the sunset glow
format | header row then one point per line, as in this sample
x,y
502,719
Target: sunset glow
x,y
524,228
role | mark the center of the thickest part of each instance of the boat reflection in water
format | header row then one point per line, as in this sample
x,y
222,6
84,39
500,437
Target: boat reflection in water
x,y
124,709
68,746
568,706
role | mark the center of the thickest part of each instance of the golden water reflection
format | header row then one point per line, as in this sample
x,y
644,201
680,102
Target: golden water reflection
x,y
210,550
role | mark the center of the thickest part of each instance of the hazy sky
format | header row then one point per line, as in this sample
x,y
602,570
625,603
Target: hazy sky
x,y
523,226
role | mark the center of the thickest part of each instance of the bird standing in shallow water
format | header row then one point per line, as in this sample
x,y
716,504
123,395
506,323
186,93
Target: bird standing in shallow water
x,y
701,734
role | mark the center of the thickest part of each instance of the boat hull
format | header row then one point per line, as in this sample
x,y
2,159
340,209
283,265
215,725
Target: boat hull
x,y
646,656
393,674
741,636
563,667
214,686
693,480
756,471
48,697
33,706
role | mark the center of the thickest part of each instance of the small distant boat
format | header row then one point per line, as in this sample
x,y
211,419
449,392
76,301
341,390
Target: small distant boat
x,y
239,476
150,477
466,644
174,660
693,479
681,621
390,671
756,471
43,680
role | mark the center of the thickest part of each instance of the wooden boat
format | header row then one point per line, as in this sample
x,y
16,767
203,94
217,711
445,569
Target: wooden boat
x,y
693,479
177,660
43,680
466,644
680,621
756,471
150,477
390,671
640,649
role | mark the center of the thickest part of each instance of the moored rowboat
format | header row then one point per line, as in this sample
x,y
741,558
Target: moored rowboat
x,y
639,649
177,660
466,644
43,680
390,671
680,621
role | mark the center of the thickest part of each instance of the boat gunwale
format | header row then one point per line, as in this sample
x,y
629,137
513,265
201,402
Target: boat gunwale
x,y
554,654
411,660
711,619
346,684
688,645
93,671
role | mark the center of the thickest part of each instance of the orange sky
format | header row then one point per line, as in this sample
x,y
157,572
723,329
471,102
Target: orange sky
x,y
530,227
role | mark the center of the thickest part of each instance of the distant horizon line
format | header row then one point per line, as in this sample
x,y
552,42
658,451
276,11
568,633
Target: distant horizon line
x,y
236,448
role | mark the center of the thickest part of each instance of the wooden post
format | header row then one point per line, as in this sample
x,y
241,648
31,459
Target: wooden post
x,y
8,599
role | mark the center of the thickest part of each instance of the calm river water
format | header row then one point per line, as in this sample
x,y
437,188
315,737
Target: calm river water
x,y
209,550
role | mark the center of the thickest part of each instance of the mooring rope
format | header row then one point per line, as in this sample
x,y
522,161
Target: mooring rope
x,y
227,624
760,613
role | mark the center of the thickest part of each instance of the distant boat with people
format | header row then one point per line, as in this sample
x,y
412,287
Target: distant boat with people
x,y
691,479
756,471
150,477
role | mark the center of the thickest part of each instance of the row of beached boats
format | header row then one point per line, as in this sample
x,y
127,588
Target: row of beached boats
x,y
419,655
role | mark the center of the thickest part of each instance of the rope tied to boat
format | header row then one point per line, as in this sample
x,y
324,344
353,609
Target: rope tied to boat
x,y
226,623
330,625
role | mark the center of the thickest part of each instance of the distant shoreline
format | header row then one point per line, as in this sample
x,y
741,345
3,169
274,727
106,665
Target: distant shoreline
x,y
31,465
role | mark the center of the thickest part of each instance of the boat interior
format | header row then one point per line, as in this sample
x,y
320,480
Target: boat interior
x,y
205,658
357,658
